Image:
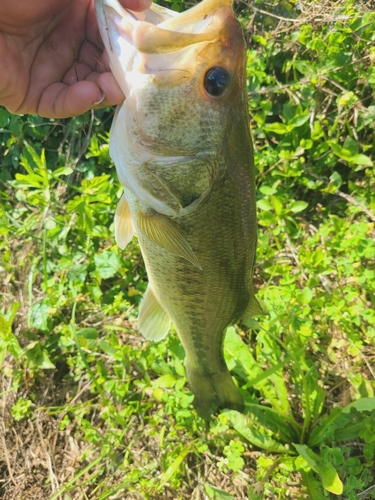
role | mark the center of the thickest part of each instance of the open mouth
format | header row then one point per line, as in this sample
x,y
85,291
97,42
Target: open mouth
x,y
159,30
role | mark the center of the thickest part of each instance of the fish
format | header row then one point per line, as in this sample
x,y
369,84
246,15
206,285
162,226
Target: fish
x,y
182,148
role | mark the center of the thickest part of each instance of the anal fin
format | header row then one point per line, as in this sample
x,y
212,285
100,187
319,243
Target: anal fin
x,y
162,231
124,227
153,321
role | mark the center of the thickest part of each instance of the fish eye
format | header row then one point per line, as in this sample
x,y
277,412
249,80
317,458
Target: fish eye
x,y
216,80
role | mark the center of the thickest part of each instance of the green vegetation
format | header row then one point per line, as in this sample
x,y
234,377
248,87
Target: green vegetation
x,y
91,410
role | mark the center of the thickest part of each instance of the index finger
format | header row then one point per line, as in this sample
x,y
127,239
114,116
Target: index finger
x,y
136,5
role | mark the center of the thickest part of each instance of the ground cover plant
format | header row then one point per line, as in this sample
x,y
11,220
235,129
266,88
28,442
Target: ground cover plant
x,y
91,410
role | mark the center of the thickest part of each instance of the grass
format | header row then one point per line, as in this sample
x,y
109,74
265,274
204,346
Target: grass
x,y
91,410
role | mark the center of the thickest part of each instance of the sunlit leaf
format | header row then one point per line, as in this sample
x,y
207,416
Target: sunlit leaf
x,y
361,159
326,471
107,263
255,434
298,206
363,404
214,493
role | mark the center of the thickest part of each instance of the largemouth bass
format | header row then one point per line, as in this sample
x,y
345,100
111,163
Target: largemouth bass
x,y
183,152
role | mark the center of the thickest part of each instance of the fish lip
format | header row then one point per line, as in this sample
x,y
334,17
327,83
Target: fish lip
x,y
160,30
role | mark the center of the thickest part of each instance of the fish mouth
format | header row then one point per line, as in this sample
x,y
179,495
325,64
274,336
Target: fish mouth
x,y
159,30
158,39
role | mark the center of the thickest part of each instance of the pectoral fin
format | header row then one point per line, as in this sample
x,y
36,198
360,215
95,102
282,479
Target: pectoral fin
x,y
124,227
162,231
153,321
256,307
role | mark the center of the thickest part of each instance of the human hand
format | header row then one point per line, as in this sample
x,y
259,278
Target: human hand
x,y
51,57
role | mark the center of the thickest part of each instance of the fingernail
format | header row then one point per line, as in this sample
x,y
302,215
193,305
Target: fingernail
x,y
100,100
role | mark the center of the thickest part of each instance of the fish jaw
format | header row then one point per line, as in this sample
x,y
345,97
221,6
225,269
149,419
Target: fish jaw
x,y
158,29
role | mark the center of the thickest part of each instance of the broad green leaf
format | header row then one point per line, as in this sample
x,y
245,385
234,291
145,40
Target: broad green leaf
x,y
30,180
267,190
312,486
335,181
298,206
241,361
87,338
38,356
73,204
267,373
40,161
351,145
62,171
363,404
277,128
107,264
277,205
252,323
350,432
347,98
39,317
8,340
347,154
304,67
326,471
273,388
96,184
166,381
4,117
44,361
78,273
108,349
343,153
361,159
256,434
278,423
214,493
326,428
305,296
88,333
238,357
5,328
299,120
264,205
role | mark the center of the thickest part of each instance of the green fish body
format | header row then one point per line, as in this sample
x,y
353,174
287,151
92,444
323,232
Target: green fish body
x,y
183,152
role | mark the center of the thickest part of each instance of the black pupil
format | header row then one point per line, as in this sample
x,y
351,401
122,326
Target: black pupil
x,y
216,81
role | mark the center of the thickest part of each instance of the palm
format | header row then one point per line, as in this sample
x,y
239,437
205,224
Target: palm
x,y
51,57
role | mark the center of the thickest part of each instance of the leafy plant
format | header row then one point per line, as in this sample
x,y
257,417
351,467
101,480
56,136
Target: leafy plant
x,y
72,364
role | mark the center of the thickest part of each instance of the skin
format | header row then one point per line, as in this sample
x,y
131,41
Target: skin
x,y
51,58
